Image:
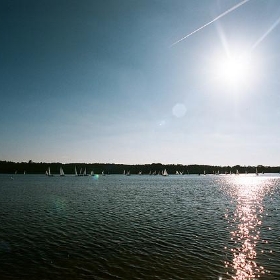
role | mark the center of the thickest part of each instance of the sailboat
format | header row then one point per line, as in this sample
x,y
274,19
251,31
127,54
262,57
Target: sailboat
x,y
48,172
257,173
85,172
61,172
76,173
164,173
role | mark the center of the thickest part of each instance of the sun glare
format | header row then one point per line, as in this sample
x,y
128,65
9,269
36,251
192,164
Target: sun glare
x,y
234,70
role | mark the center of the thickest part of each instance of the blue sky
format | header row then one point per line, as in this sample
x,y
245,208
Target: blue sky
x,y
97,81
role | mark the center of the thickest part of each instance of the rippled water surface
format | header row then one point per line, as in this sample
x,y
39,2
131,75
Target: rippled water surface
x,y
140,227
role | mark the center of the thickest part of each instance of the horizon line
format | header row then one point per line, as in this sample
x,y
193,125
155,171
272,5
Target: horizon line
x,y
57,162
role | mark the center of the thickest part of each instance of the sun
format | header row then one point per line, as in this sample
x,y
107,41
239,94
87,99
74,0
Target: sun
x,y
234,70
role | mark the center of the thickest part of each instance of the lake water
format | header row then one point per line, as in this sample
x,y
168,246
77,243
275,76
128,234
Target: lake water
x,y
140,227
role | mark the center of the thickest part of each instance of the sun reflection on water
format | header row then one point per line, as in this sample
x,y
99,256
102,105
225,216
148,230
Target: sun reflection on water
x,y
245,223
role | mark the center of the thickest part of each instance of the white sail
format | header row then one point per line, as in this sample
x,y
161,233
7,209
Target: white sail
x,y
48,172
76,173
164,173
61,172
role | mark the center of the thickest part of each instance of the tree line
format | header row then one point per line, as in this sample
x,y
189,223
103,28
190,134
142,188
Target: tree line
x,y
31,167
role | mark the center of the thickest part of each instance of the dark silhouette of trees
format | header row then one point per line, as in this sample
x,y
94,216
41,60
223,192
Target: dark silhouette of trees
x,y
31,167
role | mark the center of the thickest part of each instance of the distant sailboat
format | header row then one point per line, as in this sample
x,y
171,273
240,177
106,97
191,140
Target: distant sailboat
x,y
76,173
61,172
164,173
48,172
127,173
257,173
85,172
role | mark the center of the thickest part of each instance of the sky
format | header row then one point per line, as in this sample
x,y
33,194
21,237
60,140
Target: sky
x,y
105,81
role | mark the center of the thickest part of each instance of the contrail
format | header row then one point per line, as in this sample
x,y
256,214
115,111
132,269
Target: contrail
x,y
218,17
266,33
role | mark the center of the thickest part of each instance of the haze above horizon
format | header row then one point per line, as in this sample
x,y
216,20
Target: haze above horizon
x,y
97,81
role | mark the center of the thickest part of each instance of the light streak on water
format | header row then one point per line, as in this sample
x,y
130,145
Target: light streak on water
x,y
246,228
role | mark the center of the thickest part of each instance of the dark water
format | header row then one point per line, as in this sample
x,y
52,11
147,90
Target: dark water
x,y
140,227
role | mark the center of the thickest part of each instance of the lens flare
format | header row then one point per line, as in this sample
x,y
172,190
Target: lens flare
x,y
95,177
179,110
